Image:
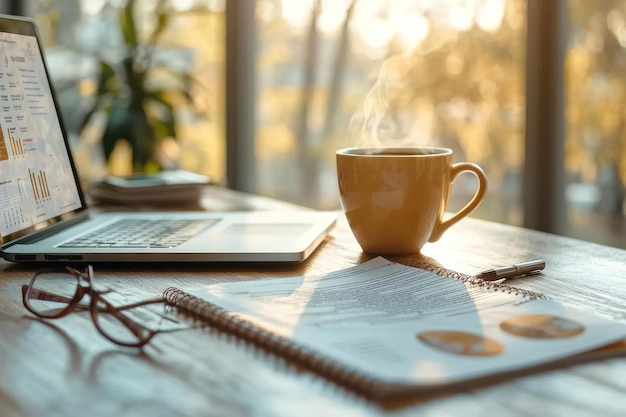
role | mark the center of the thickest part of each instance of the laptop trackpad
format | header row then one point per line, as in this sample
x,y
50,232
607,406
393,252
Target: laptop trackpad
x,y
278,230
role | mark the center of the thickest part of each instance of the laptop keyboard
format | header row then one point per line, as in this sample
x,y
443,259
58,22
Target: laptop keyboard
x,y
142,233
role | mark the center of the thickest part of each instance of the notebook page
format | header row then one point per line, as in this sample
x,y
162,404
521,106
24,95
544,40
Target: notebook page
x,y
405,325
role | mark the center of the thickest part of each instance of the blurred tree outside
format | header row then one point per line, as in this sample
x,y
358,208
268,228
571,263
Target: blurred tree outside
x,y
426,80
596,120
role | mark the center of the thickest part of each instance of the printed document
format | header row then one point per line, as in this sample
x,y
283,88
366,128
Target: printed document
x,y
402,324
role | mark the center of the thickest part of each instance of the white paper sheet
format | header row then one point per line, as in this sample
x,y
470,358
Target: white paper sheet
x,y
379,318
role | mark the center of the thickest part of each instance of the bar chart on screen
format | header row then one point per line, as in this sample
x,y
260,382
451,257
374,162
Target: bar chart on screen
x,y
10,146
39,184
17,146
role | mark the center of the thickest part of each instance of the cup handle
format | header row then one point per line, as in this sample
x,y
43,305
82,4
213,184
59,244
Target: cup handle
x,y
457,169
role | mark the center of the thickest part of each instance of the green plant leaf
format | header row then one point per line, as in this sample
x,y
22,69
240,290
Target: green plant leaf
x,y
127,24
107,87
163,17
107,80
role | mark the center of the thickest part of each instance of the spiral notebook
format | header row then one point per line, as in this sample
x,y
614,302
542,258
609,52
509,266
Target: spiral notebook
x,y
388,330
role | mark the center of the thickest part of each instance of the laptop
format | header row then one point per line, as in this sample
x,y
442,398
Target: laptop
x,y
43,213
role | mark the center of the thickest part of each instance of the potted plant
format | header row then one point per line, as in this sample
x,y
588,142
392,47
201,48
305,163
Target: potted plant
x,y
137,94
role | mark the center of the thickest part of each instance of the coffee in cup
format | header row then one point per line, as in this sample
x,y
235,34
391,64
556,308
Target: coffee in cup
x,y
395,199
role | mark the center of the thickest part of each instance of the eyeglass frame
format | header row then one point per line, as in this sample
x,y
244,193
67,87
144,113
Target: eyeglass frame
x,y
96,296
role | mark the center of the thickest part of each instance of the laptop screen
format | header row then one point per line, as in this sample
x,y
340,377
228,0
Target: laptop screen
x,y
38,183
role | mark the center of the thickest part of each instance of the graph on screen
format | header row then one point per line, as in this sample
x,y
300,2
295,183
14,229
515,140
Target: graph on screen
x,y
17,147
39,184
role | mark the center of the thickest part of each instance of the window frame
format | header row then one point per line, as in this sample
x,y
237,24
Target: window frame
x,y
14,7
543,195
240,91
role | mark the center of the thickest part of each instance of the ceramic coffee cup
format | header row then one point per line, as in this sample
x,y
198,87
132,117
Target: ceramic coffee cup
x,y
395,198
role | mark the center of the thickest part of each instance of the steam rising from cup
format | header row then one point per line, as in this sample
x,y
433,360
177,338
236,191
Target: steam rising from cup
x,y
391,116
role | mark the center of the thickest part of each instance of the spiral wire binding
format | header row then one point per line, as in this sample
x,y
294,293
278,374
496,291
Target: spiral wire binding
x,y
223,320
341,374
472,279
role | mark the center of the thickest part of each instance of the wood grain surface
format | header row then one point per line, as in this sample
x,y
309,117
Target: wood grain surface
x,y
65,368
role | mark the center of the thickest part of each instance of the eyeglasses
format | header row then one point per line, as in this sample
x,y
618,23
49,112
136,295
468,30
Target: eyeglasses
x,y
52,294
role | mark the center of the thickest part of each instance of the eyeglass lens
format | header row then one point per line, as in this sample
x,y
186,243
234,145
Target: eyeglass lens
x,y
53,294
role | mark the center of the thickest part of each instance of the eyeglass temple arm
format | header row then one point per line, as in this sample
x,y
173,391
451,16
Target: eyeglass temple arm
x,y
140,304
44,295
49,296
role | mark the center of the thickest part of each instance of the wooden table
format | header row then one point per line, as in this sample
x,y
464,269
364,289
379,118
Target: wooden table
x,y
65,368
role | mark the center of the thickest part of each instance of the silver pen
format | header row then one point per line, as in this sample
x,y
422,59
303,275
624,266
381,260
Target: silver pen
x,y
523,268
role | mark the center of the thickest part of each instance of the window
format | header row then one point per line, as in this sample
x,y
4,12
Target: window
x,y
328,74
337,74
